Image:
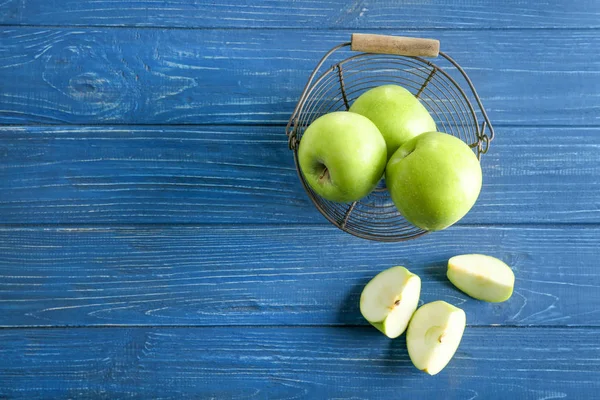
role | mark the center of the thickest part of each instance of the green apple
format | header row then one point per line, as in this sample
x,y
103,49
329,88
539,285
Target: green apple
x,y
397,113
482,277
434,334
390,299
434,179
342,156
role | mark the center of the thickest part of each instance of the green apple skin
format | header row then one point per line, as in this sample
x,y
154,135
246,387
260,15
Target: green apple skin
x,y
434,179
434,334
398,114
389,300
482,277
342,156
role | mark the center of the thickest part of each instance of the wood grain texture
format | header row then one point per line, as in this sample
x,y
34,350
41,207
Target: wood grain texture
x,y
247,175
401,45
277,275
151,76
167,257
359,14
292,363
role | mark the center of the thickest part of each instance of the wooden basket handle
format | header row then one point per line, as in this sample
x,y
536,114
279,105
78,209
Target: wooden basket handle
x,y
400,45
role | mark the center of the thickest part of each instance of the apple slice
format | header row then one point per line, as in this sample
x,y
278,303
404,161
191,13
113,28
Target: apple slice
x,y
434,334
390,299
482,277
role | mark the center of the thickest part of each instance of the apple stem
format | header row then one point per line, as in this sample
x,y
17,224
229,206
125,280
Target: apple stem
x,y
397,302
324,175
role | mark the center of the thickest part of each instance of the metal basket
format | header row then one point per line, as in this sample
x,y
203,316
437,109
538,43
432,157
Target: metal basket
x,y
387,60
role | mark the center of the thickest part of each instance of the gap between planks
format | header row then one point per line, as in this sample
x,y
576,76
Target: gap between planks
x,y
273,124
240,326
221,28
324,224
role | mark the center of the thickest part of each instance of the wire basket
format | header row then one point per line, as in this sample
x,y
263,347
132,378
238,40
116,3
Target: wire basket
x,y
387,60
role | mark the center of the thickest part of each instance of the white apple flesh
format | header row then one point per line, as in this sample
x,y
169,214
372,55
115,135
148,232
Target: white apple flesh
x,y
482,277
389,300
434,334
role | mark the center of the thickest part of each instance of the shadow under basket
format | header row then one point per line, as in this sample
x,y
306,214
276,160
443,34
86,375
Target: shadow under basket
x,y
384,60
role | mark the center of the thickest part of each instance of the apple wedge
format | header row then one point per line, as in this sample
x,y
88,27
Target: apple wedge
x,y
434,334
389,300
482,277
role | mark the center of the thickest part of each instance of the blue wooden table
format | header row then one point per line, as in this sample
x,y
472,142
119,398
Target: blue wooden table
x,y
155,241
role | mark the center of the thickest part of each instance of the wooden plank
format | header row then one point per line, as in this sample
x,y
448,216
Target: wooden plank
x,y
304,14
247,175
151,76
150,175
292,363
277,275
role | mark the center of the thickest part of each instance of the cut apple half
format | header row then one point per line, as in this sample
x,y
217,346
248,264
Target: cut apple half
x,y
434,334
482,277
389,300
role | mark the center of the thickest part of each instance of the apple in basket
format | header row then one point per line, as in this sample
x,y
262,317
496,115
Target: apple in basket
x,y
396,112
342,156
434,179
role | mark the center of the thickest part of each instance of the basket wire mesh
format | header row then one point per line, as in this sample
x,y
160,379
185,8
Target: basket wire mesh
x,y
375,217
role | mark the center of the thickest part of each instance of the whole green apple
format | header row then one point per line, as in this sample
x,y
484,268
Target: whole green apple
x,y
434,179
342,156
396,112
